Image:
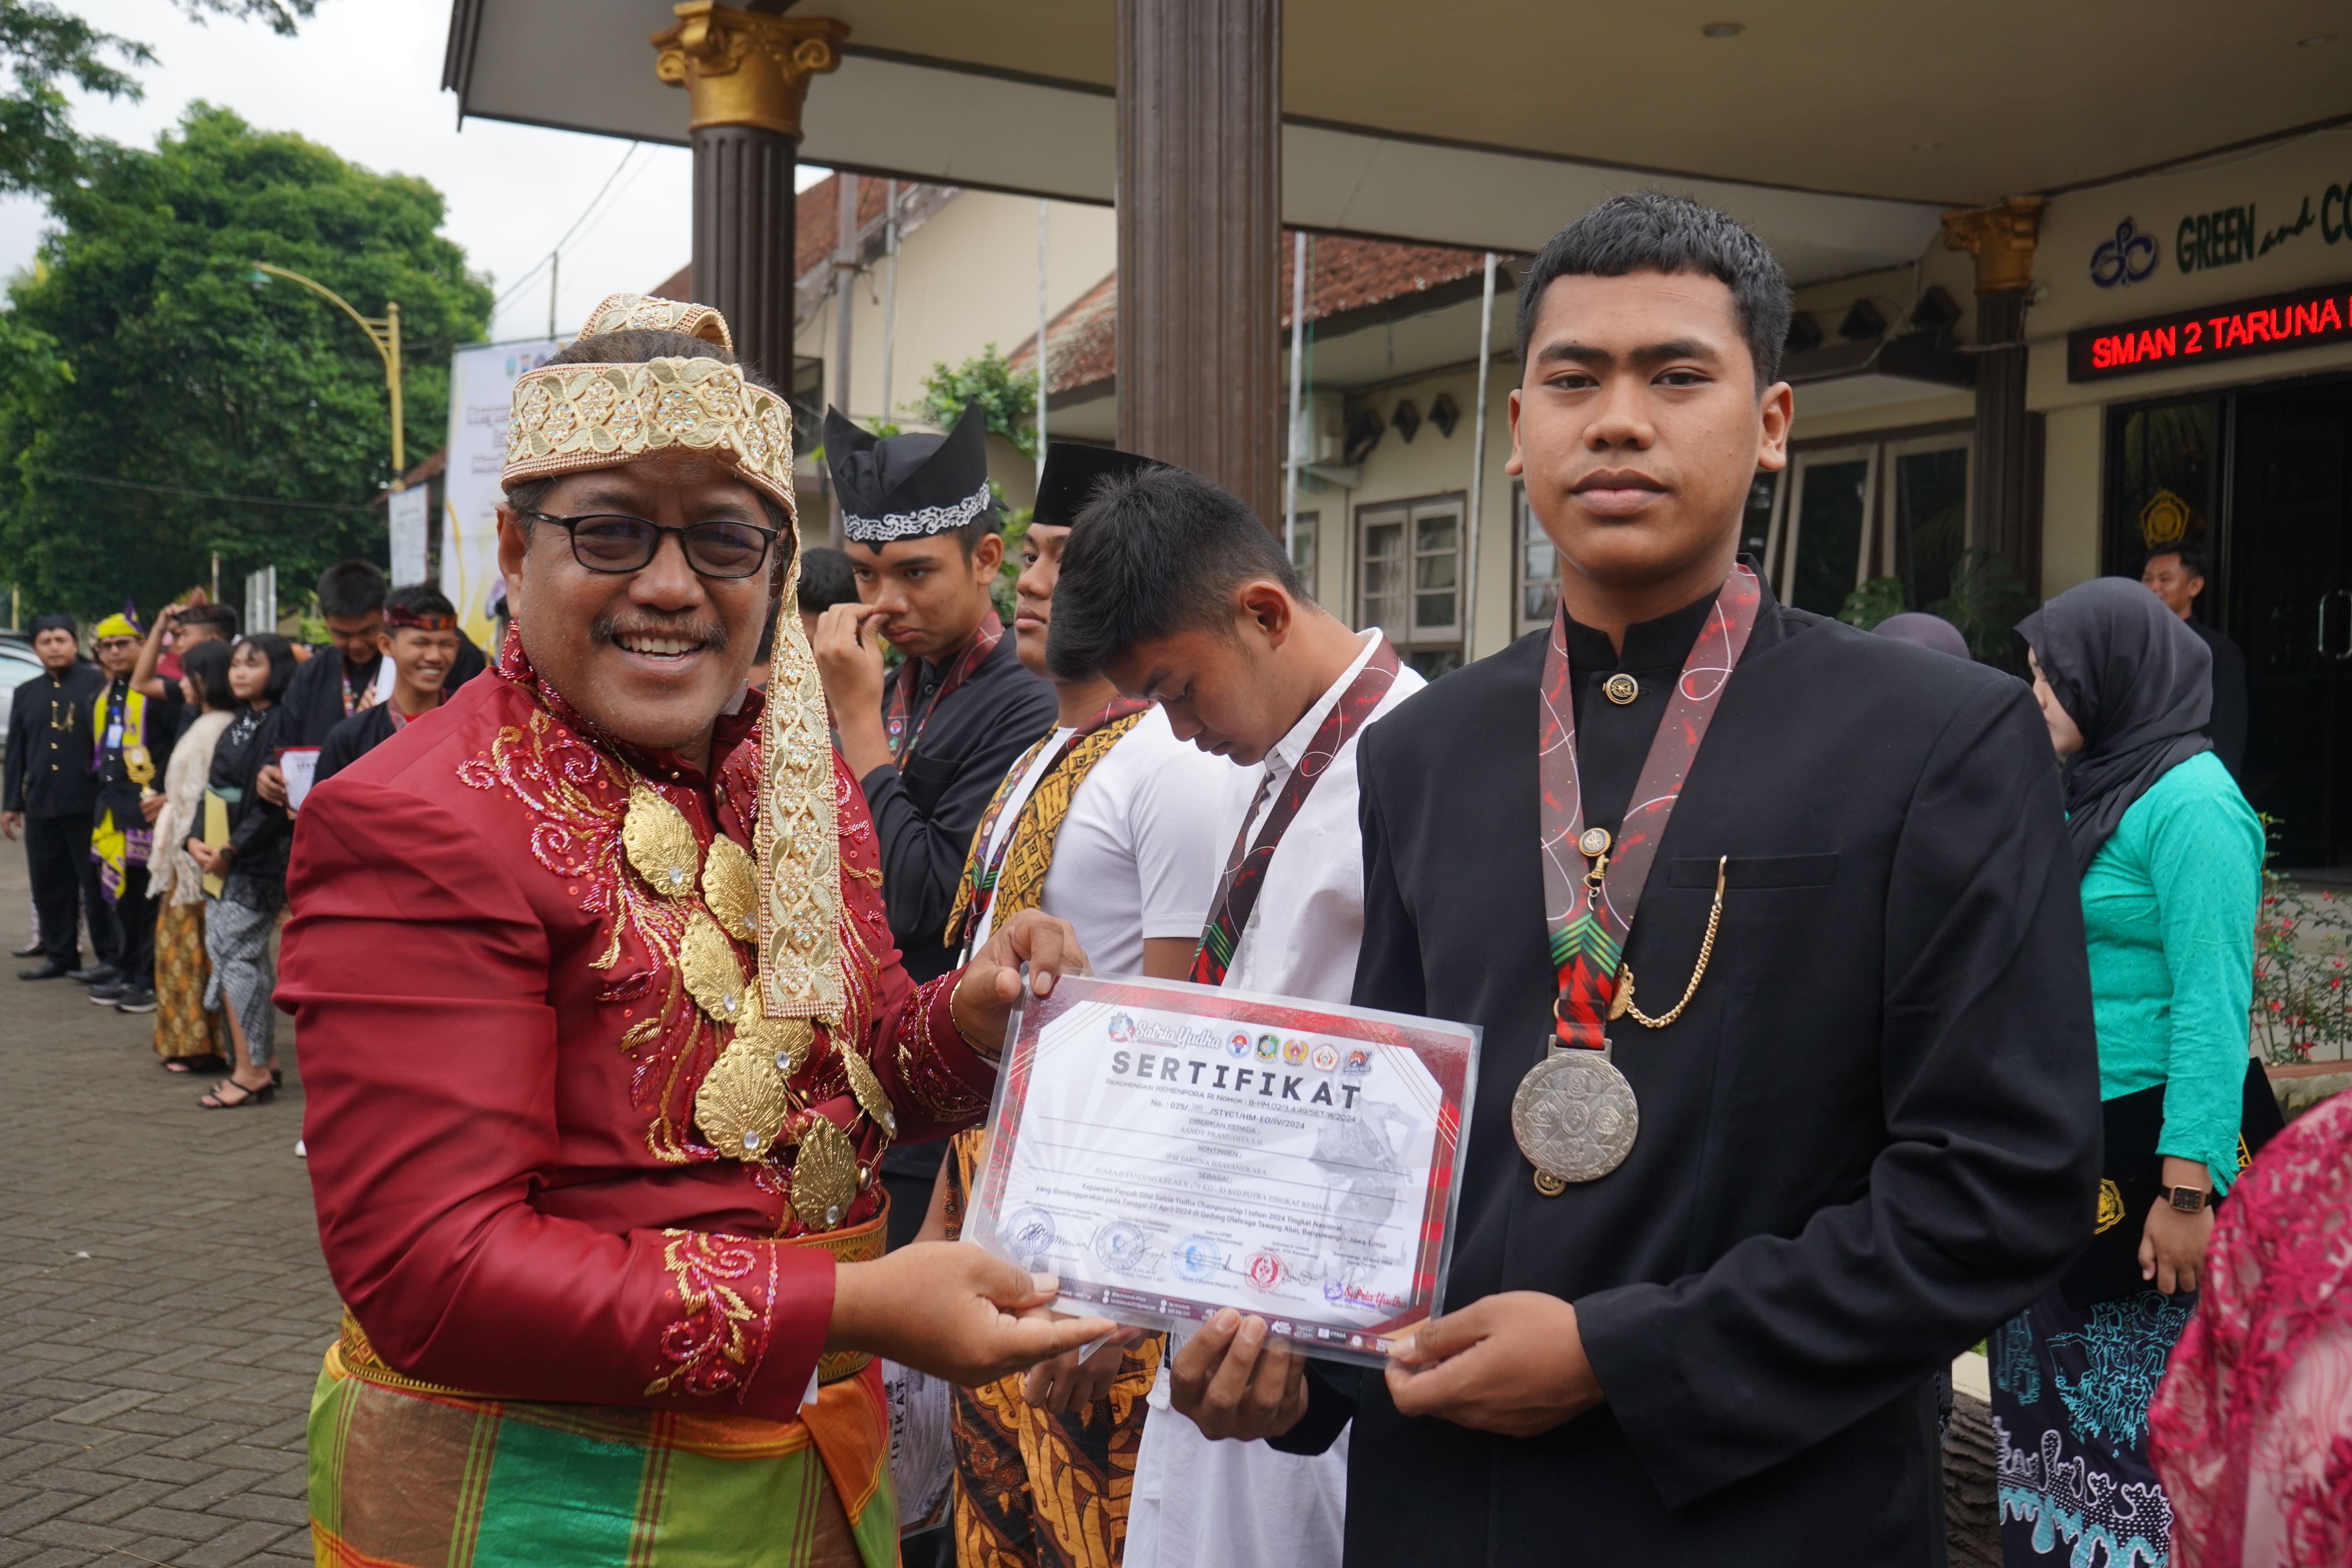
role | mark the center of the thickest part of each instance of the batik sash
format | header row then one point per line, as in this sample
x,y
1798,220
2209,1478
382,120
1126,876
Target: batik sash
x,y
898,705
1015,873
1587,911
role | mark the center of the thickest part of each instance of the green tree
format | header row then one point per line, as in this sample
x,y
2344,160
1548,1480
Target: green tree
x,y
45,48
1008,401
141,348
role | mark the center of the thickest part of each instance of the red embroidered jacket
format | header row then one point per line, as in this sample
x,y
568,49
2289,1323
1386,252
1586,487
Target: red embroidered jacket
x,y
499,1061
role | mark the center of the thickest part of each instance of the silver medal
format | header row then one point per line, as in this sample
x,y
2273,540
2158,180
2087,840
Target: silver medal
x,y
1575,1117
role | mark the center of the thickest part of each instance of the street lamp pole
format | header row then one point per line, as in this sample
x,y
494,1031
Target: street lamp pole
x,y
383,331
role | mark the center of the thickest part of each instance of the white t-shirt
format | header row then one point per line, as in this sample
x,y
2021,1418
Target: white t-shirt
x,y
1202,1504
1139,852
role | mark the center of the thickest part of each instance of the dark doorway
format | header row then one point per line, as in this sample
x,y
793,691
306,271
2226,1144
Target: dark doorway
x,y
2289,601
2261,482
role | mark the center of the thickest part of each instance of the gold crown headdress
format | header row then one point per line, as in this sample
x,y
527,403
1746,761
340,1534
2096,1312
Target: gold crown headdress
x,y
569,417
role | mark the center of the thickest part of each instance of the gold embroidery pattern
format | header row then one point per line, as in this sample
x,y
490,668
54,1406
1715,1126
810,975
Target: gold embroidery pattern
x,y
568,417
947,1096
797,838
2111,1207
623,312
576,799
716,1342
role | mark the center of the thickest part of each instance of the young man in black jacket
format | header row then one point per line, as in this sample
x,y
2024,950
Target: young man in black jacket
x,y
51,795
1717,1232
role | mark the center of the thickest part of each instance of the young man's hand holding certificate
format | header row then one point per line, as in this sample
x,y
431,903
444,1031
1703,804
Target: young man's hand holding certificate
x,y
1168,1150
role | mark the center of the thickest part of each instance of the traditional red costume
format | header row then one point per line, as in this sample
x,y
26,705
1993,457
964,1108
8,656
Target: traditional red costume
x,y
520,948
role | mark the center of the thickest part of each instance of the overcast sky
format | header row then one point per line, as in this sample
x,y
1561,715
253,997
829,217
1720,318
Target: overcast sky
x,y
363,78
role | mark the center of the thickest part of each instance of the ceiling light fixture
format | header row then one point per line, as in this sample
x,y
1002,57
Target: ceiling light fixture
x,y
1723,30
2315,39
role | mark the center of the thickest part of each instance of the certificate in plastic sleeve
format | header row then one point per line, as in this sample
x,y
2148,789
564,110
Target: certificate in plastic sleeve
x,y
1169,1149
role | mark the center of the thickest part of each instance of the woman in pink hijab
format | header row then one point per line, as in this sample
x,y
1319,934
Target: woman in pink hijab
x,y
2252,1429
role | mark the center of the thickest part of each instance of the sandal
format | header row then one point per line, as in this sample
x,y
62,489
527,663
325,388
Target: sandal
x,y
215,1062
213,1101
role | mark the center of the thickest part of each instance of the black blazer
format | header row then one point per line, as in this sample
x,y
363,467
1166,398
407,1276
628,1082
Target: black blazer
x,y
927,809
50,719
1873,1136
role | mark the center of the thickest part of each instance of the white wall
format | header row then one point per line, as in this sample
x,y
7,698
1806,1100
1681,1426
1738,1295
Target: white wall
x,y
967,277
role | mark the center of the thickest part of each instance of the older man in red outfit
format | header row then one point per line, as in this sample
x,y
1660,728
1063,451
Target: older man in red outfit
x,y
603,1035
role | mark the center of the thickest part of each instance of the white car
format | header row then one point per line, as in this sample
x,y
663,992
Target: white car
x,y
17,665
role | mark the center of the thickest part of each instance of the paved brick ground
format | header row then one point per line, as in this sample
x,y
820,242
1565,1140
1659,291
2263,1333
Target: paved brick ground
x,y
162,1304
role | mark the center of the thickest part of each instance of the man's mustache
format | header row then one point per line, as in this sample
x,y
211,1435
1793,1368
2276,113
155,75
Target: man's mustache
x,y
706,630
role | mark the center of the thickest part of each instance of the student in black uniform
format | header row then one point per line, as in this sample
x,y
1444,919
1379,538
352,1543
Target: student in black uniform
x,y
931,743
1846,1122
928,744
51,793
420,636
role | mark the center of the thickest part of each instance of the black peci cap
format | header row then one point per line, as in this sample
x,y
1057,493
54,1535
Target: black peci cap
x,y
906,487
1073,471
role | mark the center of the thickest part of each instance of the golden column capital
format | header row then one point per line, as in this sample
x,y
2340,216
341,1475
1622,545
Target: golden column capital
x,y
740,67
2002,239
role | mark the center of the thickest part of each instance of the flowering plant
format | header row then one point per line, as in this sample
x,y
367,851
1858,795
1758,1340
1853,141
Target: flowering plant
x,y
2303,942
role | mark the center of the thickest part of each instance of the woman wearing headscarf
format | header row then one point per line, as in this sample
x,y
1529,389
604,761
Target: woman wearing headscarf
x,y
2170,858
2253,1431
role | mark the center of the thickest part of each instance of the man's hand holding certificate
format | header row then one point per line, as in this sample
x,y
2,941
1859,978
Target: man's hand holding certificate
x,y
1168,1149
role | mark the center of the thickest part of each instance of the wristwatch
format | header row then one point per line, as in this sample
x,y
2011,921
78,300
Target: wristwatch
x,y
2188,1200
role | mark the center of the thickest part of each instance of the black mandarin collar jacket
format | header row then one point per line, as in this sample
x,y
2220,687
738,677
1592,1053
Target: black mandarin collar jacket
x,y
1873,1136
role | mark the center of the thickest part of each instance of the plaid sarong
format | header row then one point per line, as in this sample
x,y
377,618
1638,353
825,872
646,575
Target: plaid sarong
x,y
406,1475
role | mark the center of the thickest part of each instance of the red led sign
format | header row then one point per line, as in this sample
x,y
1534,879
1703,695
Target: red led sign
x,y
2217,332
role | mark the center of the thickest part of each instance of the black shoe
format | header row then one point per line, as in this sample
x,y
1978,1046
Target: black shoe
x,y
137,999
107,992
96,974
30,950
50,971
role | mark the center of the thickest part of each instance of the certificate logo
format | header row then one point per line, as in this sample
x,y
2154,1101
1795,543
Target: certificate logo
x,y
1121,1248
1294,1051
1030,1237
1359,1065
1326,1058
1265,1271
1199,1257
1122,1029
1238,1045
1269,1047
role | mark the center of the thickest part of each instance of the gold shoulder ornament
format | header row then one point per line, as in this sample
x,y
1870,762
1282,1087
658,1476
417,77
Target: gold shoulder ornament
x,y
659,843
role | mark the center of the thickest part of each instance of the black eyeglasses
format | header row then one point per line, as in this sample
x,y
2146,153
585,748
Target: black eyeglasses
x,y
614,541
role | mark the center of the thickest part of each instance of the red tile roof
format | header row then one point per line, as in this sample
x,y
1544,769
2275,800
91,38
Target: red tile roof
x,y
1343,274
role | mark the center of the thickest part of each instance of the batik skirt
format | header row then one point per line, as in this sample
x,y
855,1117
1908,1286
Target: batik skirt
x,y
406,1475
236,943
2071,1388
1035,1490
184,1026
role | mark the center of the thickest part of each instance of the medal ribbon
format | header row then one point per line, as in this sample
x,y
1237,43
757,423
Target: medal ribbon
x,y
1245,876
1041,812
1588,925
896,706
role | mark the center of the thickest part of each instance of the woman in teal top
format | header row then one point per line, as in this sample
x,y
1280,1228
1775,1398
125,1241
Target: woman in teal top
x,y
2170,858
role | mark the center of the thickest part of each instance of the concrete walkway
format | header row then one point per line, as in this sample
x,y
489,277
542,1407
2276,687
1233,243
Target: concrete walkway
x,y
162,1304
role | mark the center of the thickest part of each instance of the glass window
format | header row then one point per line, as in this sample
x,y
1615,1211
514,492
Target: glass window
x,y
1930,521
1539,566
1302,549
1384,577
1408,579
2165,462
1831,514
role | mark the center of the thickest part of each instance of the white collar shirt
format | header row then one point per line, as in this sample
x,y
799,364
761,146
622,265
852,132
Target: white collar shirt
x,y
1302,937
